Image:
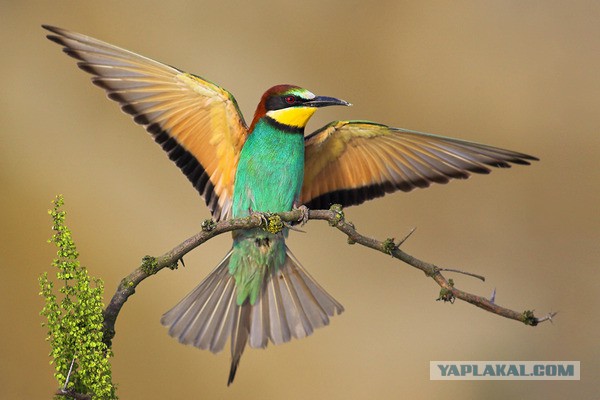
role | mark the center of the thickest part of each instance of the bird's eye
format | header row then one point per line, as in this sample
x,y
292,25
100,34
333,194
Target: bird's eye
x,y
290,99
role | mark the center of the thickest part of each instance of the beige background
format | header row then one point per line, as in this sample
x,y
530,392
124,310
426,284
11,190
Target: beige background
x,y
520,75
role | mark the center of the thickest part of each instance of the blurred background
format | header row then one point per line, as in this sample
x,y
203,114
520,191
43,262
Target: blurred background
x,y
516,74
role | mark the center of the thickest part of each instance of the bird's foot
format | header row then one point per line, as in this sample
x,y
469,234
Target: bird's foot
x,y
268,221
304,216
302,220
262,216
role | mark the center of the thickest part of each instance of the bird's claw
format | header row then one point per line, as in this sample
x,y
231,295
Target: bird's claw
x,y
269,222
263,217
266,219
304,216
303,219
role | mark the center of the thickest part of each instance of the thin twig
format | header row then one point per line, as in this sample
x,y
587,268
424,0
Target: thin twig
x,y
480,277
335,217
69,375
547,317
405,238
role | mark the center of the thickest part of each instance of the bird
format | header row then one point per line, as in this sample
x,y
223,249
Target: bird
x,y
260,293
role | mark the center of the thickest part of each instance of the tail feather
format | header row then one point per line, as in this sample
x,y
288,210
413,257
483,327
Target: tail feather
x,y
201,335
279,331
298,325
259,329
291,304
239,337
324,302
315,314
192,320
224,323
217,317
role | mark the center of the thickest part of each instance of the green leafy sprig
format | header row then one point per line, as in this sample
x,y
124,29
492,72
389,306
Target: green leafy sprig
x,y
74,320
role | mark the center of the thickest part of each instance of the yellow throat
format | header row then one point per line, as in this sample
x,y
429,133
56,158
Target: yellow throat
x,y
293,116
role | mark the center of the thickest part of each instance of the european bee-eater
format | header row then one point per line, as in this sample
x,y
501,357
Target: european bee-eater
x,y
260,292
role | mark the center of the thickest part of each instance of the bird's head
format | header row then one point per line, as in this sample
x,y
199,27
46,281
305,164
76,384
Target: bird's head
x,y
291,106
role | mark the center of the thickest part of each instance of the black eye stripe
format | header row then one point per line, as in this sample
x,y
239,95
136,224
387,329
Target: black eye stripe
x,y
281,101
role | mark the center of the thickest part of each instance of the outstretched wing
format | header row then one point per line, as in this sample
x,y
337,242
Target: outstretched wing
x,y
195,121
349,162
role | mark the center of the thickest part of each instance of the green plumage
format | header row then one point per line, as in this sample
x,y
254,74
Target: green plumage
x,y
268,179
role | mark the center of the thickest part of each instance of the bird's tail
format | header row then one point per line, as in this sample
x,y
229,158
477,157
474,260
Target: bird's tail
x,y
291,304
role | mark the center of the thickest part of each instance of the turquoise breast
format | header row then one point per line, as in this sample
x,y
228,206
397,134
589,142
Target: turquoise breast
x,y
270,171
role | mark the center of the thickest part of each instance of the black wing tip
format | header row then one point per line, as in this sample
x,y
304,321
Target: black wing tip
x,y
518,159
524,159
52,28
232,371
87,67
59,39
57,34
56,39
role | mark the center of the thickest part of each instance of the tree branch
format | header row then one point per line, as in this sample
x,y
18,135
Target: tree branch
x,y
275,222
68,393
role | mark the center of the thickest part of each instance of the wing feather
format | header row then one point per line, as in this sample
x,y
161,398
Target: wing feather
x,y
195,121
349,162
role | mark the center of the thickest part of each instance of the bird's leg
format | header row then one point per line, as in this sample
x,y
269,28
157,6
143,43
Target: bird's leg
x,y
266,217
270,222
304,216
262,216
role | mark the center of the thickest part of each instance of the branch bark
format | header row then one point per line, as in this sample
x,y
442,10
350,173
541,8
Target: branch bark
x,y
274,222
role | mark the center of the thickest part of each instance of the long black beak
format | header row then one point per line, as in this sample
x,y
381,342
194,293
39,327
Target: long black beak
x,y
324,101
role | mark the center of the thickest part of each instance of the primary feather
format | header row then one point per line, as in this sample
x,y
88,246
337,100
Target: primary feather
x,y
195,121
349,162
